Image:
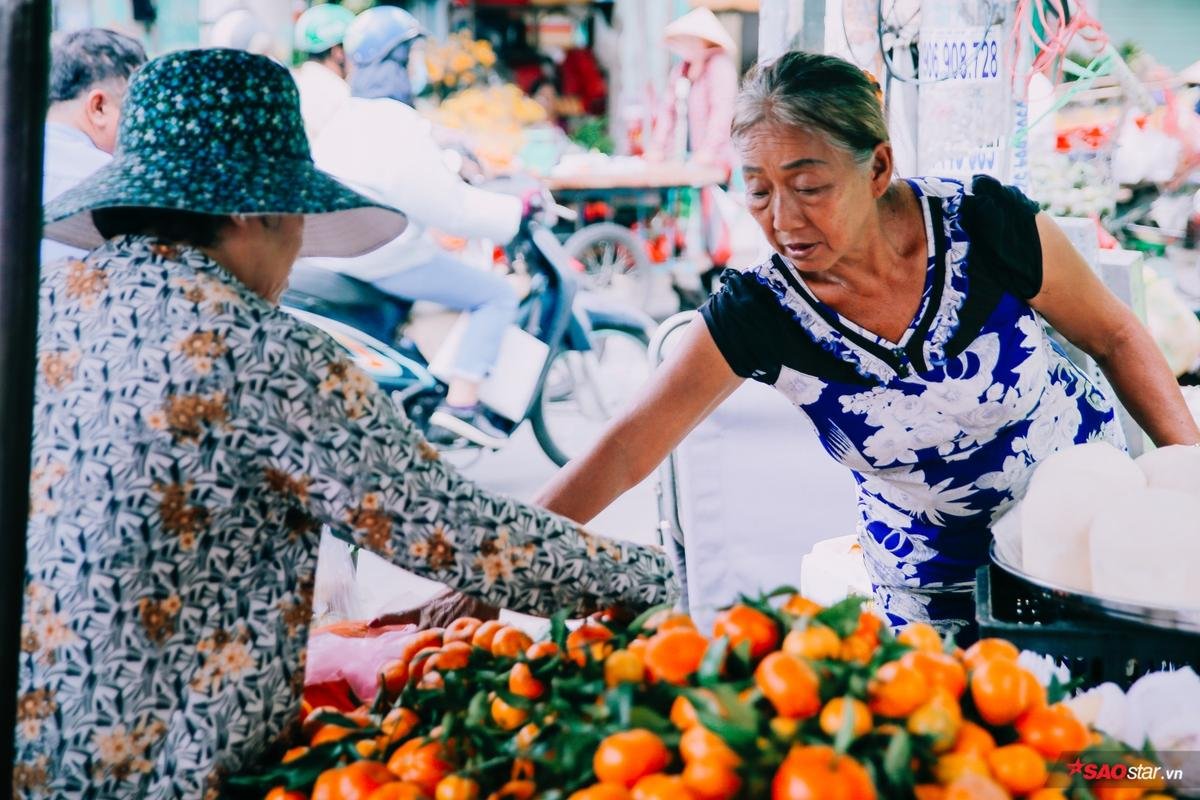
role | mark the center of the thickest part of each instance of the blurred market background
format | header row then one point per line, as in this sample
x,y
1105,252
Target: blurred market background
x,y
568,93
1164,28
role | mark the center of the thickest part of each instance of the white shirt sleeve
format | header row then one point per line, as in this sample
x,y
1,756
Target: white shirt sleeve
x,y
386,150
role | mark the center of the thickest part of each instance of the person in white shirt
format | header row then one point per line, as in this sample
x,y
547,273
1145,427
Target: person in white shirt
x,y
321,79
378,144
89,73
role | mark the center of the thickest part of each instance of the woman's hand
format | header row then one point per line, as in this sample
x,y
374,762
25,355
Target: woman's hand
x,y
1078,304
685,389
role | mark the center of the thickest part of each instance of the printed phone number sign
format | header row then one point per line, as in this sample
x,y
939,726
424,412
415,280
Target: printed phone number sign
x,y
960,56
963,102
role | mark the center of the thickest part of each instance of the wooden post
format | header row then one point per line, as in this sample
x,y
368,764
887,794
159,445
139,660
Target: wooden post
x,y
24,65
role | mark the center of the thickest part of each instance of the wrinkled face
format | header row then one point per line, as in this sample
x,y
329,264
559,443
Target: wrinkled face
x,y
811,199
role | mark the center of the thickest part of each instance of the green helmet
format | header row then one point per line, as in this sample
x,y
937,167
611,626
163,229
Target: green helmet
x,y
321,27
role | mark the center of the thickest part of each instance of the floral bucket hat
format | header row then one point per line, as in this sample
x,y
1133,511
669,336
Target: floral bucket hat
x,y
217,131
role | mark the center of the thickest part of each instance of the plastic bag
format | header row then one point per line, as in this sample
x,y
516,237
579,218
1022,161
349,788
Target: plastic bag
x,y
1145,154
334,597
356,660
1173,325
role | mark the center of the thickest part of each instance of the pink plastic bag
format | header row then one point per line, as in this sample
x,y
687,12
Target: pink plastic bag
x,y
357,660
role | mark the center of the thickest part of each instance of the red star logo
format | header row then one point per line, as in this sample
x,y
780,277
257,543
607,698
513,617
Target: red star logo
x,y
1075,766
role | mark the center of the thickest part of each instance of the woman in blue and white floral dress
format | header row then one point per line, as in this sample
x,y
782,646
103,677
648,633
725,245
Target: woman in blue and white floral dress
x,y
905,320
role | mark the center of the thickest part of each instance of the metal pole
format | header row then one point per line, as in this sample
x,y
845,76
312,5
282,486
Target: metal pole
x,y
772,28
812,28
787,24
24,64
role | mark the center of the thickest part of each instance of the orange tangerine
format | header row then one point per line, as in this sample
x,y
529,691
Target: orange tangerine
x,y
1018,768
623,666
940,669
522,683
921,636
814,643
510,642
743,624
790,684
897,690
674,655
799,606
974,740
987,649
626,757
833,716
1001,691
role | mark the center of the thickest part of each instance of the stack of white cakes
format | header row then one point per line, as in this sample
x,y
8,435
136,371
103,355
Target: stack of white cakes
x,y
1097,521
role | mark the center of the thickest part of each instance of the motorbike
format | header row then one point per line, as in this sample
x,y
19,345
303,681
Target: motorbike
x,y
596,350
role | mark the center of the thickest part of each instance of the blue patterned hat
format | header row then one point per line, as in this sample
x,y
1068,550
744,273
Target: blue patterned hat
x,y
218,131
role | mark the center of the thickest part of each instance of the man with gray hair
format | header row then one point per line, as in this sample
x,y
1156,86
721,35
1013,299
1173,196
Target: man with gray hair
x,y
89,72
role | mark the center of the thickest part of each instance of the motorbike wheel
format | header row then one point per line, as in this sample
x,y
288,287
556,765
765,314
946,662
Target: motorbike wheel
x,y
615,262
582,391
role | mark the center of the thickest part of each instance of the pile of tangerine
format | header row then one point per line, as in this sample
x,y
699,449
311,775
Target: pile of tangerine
x,y
788,700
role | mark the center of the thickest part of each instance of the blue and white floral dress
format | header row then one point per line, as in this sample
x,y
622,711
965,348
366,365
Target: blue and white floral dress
x,y
943,428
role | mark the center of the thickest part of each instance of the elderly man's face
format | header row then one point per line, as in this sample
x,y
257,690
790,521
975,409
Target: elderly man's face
x,y
811,199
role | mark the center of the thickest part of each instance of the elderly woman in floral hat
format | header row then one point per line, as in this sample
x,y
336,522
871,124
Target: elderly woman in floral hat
x,y
192,439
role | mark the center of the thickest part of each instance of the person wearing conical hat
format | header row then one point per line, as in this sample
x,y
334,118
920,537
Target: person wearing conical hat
x,y
693,121
193,439
242,29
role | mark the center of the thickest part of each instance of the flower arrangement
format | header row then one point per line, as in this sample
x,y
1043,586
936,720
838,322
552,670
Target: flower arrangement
x,y
458,63
494,117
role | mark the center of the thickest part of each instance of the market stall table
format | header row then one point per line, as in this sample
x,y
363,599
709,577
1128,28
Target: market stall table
x,y
654,177
632,192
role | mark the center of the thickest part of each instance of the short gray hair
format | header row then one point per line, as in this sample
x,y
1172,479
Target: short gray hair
x,y
82,59
814,92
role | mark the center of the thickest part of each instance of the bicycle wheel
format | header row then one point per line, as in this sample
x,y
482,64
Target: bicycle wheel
x,y
583,391
615,262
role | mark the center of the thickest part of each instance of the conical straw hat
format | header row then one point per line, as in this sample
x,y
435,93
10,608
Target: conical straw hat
x,y
703,24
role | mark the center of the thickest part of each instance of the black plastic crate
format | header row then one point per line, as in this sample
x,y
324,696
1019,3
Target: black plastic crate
x,y
1092,646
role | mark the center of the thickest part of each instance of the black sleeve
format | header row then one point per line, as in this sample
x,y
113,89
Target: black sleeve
x,y
740,317
1000,220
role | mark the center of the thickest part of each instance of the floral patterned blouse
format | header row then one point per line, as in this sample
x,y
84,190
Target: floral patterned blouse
x,y
191,440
